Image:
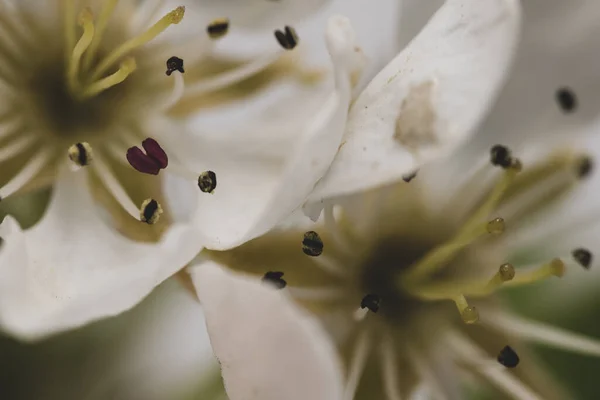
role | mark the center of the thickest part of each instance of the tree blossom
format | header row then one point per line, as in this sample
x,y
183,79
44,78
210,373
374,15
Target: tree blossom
x,y
99,112
421,230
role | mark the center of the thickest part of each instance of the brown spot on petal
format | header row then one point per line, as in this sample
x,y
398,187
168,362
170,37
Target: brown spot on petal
x,y
415,126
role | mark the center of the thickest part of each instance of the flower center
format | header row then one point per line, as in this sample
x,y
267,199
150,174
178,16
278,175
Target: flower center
x,y
83,85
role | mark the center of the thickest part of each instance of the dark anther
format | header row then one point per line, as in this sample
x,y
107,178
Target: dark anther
x,y
152,162
312,245
80,154
508,357
585,167
207,181
583,257
275,278
218,28
287,39
174,64
500,156
371,301
566,99
150,211
410,176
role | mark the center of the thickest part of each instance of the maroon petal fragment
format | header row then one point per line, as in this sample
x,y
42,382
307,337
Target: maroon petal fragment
x,y
141,162
154,150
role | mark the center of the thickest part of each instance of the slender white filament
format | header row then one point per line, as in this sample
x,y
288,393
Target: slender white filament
x,y
542,333
389,368
33,167
11,150
233,76
480,364
176,93
357,364
115,188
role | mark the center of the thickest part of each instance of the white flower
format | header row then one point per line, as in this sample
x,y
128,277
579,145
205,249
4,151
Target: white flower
x,y
405,277
84,86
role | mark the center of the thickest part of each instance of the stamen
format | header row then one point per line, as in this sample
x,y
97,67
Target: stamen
x,y
107,10
566,99
583,257
207,182
556,267
500,156
152,162
176,94
275,279
172,18
231,77
287,39
312,245
114,188
33,167
508,357
357,365
585,167
469,314
218,28
174,64
86,21
68,11
81,154
371,302
447,291
12,149
150,211
389,368
439,256
127,67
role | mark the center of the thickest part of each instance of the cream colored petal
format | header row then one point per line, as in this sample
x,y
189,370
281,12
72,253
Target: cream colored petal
x,y
71,268
269,349
429,99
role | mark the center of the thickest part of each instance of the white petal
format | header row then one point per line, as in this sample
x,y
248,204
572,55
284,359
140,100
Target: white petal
x,y
260,14
429,99
268,348
71,268
263,176
558,50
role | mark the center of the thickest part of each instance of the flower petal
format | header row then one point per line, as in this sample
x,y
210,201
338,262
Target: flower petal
x,y
71,268
258,187
429,99
268,348
260,14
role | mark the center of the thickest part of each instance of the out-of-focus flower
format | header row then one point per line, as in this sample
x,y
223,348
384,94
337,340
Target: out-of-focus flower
x,y
90,99
405,276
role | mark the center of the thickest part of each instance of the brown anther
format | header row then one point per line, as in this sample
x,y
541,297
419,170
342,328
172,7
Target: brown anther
x,y
584,167
81,154
174,64
288,39
583,257
275,279
371,301
152,162
218,28
507,272
500,156
150,211
207,181
508,357
566,99
312,245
